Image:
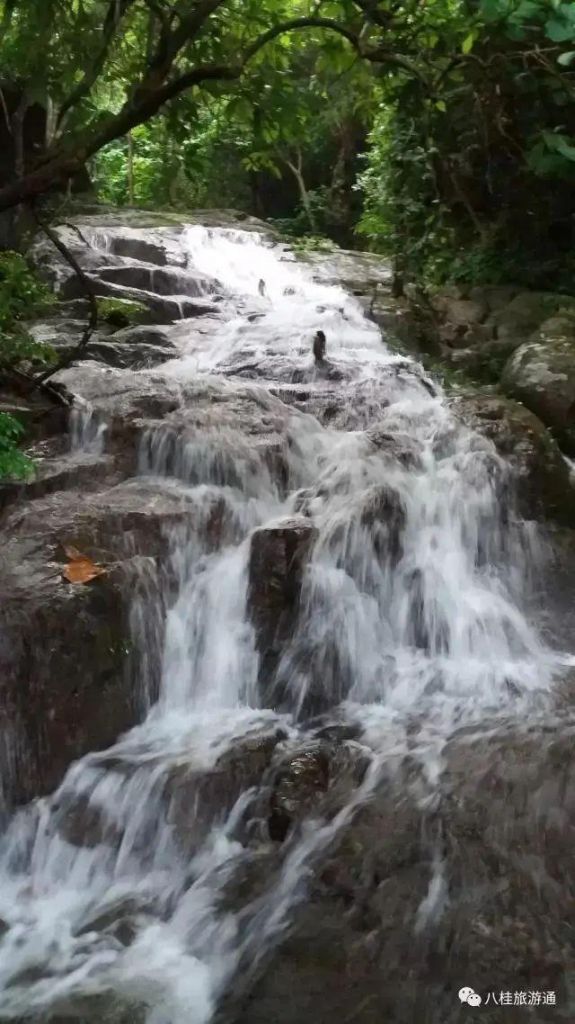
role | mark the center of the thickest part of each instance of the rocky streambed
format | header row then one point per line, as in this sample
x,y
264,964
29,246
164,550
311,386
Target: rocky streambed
x,y
303,749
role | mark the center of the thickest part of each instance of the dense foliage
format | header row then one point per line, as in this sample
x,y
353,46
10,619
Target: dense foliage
x,y
446,128
471,172
22,296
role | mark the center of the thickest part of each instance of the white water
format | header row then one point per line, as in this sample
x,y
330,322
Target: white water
x,y
412,622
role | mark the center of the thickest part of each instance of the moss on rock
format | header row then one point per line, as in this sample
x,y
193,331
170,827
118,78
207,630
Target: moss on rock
x,y
121,313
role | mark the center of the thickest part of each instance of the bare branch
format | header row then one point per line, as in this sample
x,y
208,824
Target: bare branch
x,y
370,8
298,23
89,291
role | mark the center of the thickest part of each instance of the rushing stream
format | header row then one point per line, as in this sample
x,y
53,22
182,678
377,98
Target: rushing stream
x,y
414,621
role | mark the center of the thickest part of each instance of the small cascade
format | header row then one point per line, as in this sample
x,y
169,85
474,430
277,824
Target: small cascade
x,y
87,430
354,558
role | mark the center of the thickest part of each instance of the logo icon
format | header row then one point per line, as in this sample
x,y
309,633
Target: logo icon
x,y
469,996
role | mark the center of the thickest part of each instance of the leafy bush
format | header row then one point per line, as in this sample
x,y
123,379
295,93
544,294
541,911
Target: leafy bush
x,y
12,462
472,178
22,295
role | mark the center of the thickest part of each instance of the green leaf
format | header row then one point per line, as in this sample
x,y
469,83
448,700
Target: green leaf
x,y
493,10
561,28
441,105
567,58
467,44
566,148
527,9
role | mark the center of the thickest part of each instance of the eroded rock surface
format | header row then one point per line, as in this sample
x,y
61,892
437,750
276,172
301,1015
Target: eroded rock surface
x,y
278,559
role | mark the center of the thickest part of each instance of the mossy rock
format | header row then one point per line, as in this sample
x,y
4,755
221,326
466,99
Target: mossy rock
x,y
121,313
541,374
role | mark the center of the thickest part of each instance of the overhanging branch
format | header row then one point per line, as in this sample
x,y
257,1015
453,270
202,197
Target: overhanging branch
x,y
156,88
116,12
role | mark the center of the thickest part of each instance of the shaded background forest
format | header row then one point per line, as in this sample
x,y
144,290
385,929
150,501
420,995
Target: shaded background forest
x,y
441,133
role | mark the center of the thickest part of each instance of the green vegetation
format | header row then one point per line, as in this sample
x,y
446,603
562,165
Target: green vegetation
x,y
120,313
472,178
13,463
22,296
441,133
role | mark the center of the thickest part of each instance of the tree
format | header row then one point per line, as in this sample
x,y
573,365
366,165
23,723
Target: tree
x,y
188,44
472,179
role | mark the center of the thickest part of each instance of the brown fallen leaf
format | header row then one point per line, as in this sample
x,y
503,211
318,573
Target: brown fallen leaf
x,y
80,568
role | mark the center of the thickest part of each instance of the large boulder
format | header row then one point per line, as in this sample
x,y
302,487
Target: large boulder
x,y
542,477
541,374
363,274
417,898
279,554
73,669
65,669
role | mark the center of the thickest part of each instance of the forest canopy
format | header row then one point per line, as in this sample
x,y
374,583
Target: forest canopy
x,y
440,132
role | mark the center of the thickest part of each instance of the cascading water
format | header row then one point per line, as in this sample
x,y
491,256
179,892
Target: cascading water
x,y
409,624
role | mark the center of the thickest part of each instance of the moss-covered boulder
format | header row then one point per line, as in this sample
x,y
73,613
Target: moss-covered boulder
x,y
122,313
541,374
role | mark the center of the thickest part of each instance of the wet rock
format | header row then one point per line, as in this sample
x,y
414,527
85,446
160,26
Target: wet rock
x,y
81,822
351,928
146,247
140,356
399,448
502,827
157,336
65,471
384,515
120,919
543,482
64,660
197,798
134,517
278,558
361,273
298,787
164,309
314,781
165,281
541,374
122,401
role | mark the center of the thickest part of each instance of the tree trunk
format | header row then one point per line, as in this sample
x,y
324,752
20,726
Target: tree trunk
x,y
130,169
297,172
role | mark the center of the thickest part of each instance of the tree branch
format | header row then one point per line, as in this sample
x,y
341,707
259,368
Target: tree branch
x,y
151,94
369,8
293,25
170,44
116,11
88,289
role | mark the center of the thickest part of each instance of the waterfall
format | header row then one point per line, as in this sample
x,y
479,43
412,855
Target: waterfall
x,y
411,622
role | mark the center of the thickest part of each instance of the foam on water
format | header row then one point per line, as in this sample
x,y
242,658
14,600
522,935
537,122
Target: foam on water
x,y
411,622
